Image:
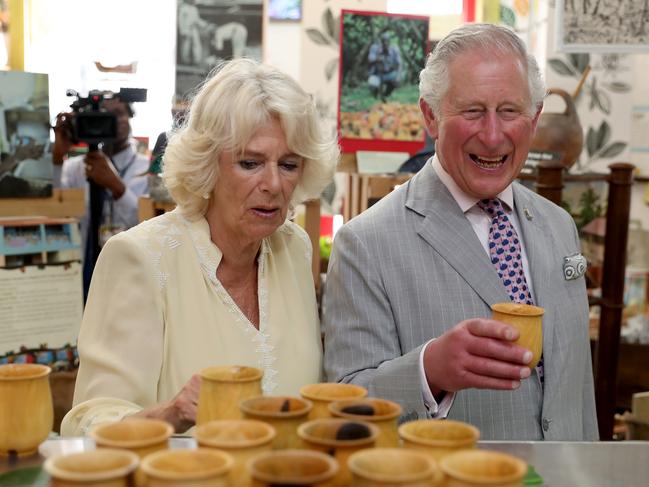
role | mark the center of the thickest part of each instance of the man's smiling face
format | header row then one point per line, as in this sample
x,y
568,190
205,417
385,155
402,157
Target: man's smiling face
x,y
484,126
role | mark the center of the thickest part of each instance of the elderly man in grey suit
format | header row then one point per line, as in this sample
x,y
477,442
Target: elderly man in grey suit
x,y
411,280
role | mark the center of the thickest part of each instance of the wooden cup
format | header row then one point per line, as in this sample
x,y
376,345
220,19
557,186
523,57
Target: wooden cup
x,y
380,412
476,468
142,436
105,467
26,411
223,388
339,438
243,439
321,394
200,467
292,467
283,413
527,319
395,467
438,437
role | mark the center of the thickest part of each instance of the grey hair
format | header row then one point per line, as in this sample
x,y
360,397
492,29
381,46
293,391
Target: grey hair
x,y
434,78
233,102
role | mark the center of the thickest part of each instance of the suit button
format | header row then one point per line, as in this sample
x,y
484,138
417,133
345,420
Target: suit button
x,y
546,424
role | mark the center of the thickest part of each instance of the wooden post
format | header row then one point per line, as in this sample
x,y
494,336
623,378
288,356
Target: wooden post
x,y
549,182
617,230
312,227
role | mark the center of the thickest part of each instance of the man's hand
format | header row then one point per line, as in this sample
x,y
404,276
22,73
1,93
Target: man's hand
x,y
476,353
181,410
62,138
100,170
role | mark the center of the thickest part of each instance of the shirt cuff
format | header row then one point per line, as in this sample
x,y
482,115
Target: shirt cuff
x,y
435,411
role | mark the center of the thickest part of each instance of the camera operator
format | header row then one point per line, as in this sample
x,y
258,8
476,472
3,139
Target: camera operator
x,y
117,168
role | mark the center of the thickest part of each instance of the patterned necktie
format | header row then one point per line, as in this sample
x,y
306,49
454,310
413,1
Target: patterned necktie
x,y
506,256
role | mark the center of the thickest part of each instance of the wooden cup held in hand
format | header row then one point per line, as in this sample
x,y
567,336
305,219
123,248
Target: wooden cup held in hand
x,y
527,319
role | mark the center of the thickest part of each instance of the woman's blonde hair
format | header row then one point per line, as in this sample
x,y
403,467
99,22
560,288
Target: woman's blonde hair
x,y
234,101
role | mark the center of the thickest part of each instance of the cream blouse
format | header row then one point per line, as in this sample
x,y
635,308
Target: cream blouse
x,y
156,314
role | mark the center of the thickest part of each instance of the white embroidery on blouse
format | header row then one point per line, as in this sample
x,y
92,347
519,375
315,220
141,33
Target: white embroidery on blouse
x,y
260,337
291,228
159,233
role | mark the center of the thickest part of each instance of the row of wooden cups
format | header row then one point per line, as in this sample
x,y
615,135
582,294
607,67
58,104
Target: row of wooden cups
x,y
333,435
240,453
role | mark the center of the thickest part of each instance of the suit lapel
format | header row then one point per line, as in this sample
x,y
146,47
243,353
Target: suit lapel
x,y
539,249
445,228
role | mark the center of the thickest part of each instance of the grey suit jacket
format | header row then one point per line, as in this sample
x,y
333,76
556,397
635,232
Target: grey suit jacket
x,y
411,267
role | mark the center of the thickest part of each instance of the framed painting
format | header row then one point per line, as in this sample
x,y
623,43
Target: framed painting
x,y
380,60
608,26
285,9
210,31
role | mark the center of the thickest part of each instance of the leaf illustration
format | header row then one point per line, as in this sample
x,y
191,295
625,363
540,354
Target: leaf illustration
x,y
330,68
328,24
618,87
604,102
507,16
603,135
579,61
560,67
318,37
591,142
616,148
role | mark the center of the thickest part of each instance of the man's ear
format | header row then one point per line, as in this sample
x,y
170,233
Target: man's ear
x,y
430,121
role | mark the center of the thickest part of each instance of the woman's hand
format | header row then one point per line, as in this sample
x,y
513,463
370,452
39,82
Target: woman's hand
x,y
181,410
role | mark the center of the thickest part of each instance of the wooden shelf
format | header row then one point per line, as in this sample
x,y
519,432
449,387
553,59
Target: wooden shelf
x,y
62,203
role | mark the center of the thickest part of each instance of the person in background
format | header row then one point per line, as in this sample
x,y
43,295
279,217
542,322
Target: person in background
x,y
225,278
384,67
117,168
411,280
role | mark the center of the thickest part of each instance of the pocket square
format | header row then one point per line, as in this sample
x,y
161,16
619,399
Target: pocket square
x,y
574,266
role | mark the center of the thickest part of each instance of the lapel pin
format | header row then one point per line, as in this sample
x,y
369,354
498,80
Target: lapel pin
x,y
528,214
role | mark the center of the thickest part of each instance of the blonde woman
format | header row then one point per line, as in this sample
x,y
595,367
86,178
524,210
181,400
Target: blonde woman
x,y
225,277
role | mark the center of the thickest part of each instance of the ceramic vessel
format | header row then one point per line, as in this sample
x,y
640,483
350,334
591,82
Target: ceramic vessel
x,y
283,413
105,467
26,411
380,412
560,133
243,439
323,393
200,467
223,388
527,319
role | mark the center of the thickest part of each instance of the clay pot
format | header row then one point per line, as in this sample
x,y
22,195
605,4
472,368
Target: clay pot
x,y
560,133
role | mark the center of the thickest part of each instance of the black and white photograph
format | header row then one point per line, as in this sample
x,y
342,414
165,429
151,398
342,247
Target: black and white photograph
x,y
25,158
209,31
615,26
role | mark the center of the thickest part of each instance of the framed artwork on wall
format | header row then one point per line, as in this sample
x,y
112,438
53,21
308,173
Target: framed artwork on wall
x,y
381,56
608,26
285,9
25,158
210,31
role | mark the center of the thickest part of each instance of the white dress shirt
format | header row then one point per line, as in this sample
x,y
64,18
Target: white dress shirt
x,y
131,168
480,222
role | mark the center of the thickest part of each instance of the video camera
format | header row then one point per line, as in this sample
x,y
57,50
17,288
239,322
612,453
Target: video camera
x,y
93,124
